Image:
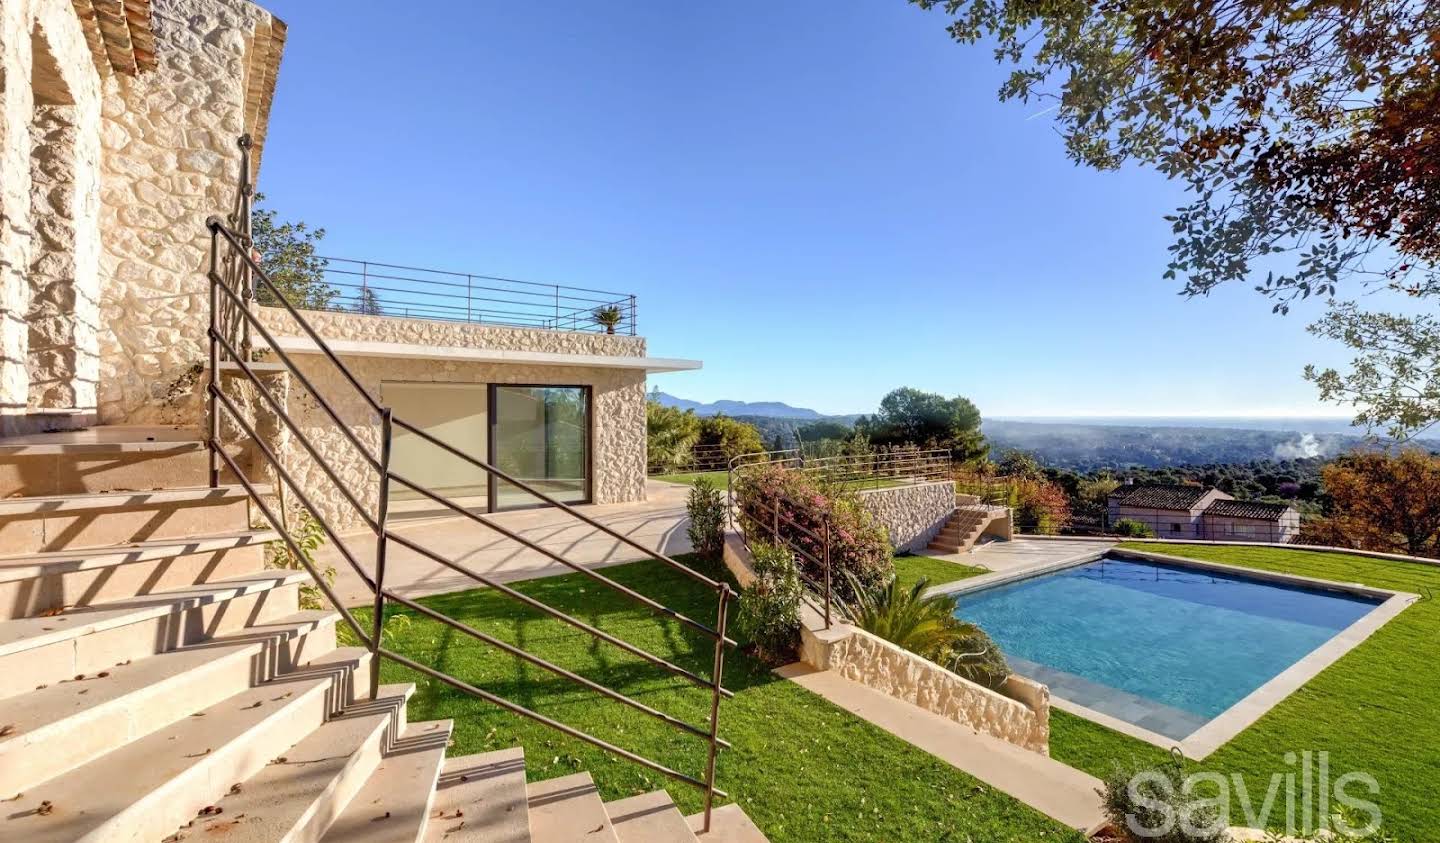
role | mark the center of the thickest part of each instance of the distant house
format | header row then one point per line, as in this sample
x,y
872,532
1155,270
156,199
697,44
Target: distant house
x,y
1182,511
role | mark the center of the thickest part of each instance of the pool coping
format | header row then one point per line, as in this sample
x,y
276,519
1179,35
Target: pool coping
x,y
1221,729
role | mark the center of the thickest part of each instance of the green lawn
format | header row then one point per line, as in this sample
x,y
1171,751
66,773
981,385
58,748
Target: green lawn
x,y
937,571
1377,710
802,769
720,479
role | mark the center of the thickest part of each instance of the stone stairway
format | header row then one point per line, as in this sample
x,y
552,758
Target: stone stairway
x,y
967,523
159,683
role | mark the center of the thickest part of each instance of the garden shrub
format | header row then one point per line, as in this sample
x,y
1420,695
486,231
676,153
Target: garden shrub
x,y
973,655
859,547
1132,528
769,611
706,508
1149,805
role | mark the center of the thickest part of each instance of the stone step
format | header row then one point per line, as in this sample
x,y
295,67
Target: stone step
x,y
32,583
728,824
151,786
297,797
481,799
649,818
57,522
104,459
569,810
79,642
62,726
394,805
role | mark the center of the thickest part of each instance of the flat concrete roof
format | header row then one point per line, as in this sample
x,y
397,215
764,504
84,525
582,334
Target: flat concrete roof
x,y
373,348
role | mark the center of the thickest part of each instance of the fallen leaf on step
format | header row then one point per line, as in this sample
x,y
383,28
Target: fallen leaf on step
x,y
7,729
45,808
210,810
235,788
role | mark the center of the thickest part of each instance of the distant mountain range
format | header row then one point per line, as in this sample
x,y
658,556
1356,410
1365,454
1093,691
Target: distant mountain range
x,y
771,409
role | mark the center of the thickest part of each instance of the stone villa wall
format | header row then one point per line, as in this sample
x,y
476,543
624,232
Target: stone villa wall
x,y
911,515
112,155
617,414
170,161
49,205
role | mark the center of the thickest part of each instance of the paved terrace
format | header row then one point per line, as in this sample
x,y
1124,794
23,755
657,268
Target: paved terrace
x,y
657,523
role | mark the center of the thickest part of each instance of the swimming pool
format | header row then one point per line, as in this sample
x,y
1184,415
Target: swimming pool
x,y
1163,647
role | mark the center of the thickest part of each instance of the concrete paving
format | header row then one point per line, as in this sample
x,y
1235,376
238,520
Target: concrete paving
x,y
657,523
1056,790
1023,553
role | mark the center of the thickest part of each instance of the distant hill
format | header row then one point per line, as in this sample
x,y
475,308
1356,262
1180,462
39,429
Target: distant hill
x,y
768,409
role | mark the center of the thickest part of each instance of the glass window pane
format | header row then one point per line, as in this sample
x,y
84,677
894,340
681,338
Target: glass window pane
x,y
541,435
453,413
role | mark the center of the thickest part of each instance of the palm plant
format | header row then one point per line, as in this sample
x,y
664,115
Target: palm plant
x,y
926,626
608,317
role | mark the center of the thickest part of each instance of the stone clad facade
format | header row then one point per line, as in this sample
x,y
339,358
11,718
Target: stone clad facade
x,y
617,413
117,139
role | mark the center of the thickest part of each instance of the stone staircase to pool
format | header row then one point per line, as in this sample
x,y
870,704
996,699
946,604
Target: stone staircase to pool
x,y
966,525
160,683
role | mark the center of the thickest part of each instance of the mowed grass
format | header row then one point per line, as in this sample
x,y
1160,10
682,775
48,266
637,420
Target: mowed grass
x,y
801,768
719,479
1376,711
909,570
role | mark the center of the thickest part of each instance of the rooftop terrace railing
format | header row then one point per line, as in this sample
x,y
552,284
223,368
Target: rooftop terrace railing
x,y
372,288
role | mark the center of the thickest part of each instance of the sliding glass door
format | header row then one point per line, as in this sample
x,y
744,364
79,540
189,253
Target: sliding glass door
x,y
541,436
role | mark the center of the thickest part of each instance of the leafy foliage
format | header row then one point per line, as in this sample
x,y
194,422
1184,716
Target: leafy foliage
x,y
1307,136
927,627
1385,502
367,302
670,433
706,508
912,417
732,437
769,611
1132,528
608,317
309,536
1040,506
287,254
858,545
1147,804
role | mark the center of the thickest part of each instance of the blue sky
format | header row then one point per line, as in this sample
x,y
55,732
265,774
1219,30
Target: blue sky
x,y
822,201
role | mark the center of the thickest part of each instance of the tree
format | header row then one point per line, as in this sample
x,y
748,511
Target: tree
x,y
912,417
368,303
1308,138
733,437
1386,502
670,433
1017,463
287,254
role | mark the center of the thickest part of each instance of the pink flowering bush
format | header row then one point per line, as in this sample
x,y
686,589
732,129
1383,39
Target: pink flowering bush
x,y
858,545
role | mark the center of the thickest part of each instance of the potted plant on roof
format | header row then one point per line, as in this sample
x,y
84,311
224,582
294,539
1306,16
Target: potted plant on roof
x,y
607,317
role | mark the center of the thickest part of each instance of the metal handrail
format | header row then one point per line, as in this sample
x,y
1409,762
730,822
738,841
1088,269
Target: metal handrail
x,y
247,271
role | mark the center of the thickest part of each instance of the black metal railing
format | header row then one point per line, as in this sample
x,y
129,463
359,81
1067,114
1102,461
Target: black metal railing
x,y
372,288
234,277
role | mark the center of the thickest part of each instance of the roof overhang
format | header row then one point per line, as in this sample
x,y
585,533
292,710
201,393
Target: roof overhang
x,y
458,354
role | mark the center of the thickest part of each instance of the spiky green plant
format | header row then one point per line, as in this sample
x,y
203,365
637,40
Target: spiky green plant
x,y
608,317
906,618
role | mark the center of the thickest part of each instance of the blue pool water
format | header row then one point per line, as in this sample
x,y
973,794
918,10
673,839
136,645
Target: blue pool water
x,y
1165,647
